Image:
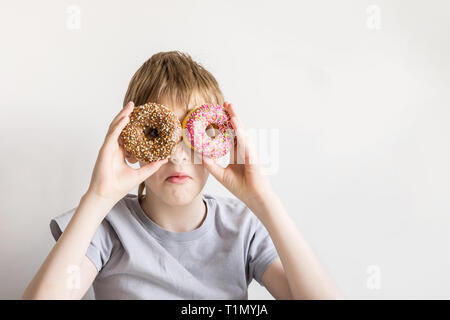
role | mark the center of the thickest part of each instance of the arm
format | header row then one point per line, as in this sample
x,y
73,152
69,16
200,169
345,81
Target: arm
x,y
275,281
298,274
68,255
112,178
299,270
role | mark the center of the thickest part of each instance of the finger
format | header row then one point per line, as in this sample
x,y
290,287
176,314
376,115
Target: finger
x,y
235,121
244,148
238,154
214,168
125,111
243,151
148,169
233,114
114,132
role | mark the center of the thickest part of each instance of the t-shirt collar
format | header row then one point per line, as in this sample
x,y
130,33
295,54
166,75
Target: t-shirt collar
x,y
170,236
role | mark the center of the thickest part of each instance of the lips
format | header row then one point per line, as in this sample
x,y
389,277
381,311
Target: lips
x,y
178,177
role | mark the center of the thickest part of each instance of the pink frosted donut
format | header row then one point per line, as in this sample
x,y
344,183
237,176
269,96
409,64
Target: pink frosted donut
x,y
198,120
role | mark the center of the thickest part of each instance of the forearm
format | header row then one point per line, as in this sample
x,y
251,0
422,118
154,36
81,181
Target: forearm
x,y
50,282
306,277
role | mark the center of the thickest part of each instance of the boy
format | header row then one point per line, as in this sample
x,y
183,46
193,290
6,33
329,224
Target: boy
x,y
176,242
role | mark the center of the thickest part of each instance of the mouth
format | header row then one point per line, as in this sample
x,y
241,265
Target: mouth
x,y
178,177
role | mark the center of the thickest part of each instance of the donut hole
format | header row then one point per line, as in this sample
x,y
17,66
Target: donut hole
x,y
151,133
212,130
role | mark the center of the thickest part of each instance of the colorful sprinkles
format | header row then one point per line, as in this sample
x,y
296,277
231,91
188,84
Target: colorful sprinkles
x,y
152,132
196,123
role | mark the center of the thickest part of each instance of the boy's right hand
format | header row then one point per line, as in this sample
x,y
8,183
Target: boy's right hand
x,y
112,178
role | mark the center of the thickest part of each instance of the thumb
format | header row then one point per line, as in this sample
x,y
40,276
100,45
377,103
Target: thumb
x,y
148,169
215,169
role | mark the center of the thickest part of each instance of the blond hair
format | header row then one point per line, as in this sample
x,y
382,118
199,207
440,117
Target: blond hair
x,y
171,76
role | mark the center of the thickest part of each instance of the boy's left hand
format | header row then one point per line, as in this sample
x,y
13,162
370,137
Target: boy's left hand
x,y
243,176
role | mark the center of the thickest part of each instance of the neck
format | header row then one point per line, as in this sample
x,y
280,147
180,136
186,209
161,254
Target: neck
x,y
175,218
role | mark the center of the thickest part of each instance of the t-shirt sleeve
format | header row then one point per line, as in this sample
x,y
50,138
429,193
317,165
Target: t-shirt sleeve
x,y
100,247
262,252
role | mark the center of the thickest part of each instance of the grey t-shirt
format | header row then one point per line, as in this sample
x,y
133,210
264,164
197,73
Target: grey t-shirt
x,y
137,259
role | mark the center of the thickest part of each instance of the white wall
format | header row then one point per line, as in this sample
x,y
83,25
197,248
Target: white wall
x,y
362,106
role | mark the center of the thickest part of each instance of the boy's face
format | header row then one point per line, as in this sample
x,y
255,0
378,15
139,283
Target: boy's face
x,y
181,190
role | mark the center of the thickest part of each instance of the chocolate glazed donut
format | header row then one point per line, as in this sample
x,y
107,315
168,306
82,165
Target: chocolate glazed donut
x,y
152,132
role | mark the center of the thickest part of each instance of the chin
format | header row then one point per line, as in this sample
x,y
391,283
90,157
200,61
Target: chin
x,y
179,196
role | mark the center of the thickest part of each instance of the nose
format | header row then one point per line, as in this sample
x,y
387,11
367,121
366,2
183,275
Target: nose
x,y
179,153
